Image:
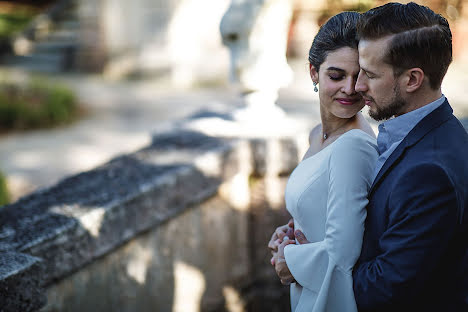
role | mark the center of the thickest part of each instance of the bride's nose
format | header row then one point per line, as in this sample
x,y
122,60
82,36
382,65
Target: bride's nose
x,y
349,86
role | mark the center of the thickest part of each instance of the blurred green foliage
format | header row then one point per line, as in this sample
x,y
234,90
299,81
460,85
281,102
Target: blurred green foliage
x,y
14,21
36,104
4,196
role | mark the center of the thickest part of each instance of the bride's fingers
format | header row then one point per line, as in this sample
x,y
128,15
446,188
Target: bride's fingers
x,y
271,244
285,242
281,231
277,235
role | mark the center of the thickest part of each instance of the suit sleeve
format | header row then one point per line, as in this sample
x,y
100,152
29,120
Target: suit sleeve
x,y
422,218
350,170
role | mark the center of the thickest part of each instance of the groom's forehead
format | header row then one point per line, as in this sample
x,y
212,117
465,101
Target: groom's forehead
x,y
373,49
379,44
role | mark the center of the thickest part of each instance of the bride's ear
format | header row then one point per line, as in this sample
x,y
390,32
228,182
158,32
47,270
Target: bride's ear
x,y
313,73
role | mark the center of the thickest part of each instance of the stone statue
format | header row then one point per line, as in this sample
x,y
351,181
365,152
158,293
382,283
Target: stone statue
x,y
256,33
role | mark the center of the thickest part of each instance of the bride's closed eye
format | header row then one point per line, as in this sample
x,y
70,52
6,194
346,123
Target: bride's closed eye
x,y
336,77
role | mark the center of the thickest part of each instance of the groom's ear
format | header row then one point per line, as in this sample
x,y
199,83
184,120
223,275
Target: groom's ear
x,y
313,73
413,79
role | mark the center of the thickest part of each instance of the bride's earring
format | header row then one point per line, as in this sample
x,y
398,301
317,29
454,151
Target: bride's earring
x,y
315,87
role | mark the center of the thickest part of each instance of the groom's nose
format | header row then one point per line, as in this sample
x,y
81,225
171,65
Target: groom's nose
x,y
361,82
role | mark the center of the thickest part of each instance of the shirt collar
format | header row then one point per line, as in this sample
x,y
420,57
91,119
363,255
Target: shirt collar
x,y
397,129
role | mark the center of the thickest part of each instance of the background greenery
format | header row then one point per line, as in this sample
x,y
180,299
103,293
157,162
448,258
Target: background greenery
x,y
12,21
4,196
38,103
35,104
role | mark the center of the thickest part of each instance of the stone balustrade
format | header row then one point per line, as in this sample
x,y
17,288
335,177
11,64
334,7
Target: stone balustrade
x,y
180,225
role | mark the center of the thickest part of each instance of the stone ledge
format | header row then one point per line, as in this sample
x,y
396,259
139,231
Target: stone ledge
x,y
88,215
20,282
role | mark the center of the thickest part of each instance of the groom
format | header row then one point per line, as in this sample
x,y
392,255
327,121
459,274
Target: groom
x,y
414,255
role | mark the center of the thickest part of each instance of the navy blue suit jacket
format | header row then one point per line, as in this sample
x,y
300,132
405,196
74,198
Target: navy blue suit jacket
x,y
414,254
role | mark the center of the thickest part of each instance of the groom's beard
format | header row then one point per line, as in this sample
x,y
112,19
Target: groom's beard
x,y
394,108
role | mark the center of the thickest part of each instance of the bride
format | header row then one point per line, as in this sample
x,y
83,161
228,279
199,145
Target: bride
x,y
327,193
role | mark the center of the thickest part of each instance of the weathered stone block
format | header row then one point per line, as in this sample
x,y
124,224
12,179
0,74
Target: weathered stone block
x,y
20,283
135,233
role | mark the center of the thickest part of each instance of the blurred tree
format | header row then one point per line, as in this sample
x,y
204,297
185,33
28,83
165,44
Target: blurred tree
x,y
14,21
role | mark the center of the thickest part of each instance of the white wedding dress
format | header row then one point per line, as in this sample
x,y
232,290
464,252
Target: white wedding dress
x,y
327,196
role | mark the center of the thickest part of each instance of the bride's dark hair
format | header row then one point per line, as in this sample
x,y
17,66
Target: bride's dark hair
x,y
338,32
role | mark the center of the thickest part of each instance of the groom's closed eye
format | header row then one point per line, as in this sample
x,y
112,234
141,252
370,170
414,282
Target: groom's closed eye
x,y
368,73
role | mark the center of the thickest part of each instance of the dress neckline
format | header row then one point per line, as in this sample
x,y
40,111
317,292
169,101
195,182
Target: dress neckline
x,y
326,147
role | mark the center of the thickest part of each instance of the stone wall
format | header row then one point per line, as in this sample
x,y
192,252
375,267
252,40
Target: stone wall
x,y
181,225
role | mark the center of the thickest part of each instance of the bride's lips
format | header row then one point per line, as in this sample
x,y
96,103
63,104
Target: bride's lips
x,y
345,101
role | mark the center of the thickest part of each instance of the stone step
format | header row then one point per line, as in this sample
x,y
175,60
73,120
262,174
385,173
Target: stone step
x,y
37,68
51,57
69,14
41,62
49,46
68,24
62,35
53,49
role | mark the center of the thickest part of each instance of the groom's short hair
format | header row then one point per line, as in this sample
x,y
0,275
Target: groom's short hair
x,y
421,38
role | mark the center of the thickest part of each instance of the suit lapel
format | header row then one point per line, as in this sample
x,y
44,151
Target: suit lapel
x,y
431,121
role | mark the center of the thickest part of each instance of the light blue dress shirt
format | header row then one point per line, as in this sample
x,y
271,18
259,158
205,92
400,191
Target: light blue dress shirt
x,y
393,131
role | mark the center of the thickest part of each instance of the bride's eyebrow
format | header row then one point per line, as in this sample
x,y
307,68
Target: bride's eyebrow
x,y
336,69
